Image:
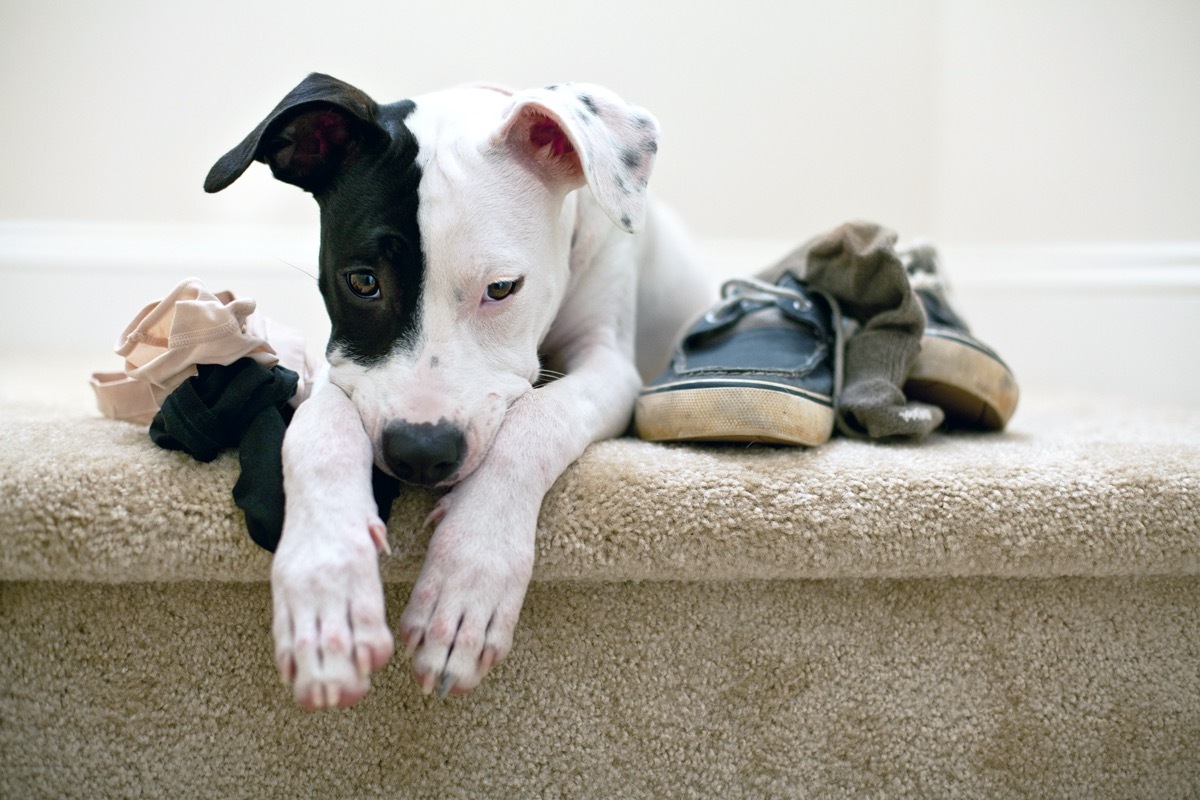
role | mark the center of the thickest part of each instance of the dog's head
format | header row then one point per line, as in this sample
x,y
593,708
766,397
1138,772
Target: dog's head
x,y
446,243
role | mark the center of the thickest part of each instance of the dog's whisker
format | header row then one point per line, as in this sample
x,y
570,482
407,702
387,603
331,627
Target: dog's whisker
x,y
298,269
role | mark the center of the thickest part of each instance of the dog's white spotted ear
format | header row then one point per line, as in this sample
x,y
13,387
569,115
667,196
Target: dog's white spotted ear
x,y
577,133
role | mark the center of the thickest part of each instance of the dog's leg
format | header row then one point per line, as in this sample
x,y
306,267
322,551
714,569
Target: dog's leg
x,y
329,627
464,607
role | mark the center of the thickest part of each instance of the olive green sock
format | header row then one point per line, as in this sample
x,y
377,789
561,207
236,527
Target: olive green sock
x,y
857,264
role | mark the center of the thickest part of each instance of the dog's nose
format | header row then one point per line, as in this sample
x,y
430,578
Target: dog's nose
x,y
423,452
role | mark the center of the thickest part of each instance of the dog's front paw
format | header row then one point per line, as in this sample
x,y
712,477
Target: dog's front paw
x,y
459,622
329,624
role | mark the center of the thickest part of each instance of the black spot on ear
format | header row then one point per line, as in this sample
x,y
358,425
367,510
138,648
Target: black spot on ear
x,y
619,180
645,122
433,362
552,87
626,223
587,100
652,146
631,158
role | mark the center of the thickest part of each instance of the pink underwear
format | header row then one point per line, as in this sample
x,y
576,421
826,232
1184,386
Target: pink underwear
x,y
191,326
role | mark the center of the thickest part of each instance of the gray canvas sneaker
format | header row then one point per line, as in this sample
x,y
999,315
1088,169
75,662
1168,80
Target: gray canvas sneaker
x,y
955,371
762,365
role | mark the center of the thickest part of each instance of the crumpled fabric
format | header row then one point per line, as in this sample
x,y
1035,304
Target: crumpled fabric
x,y
206,373
242,405
169,338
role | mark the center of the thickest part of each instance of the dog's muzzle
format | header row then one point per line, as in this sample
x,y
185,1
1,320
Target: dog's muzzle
x,y
424,453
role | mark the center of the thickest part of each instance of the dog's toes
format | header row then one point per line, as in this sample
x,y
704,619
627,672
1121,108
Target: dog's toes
x,y
283,631
351,646
475,650
452,651
319,696
460,675
436,643
286,663
330,680
427,642
373,644
460,618
465,666
329,623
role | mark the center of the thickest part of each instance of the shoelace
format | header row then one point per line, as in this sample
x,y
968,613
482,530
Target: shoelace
x,y
920,260
744,292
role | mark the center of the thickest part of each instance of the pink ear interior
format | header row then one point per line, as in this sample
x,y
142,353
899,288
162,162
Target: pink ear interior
x,y
328,131
545,131
311,142
541,139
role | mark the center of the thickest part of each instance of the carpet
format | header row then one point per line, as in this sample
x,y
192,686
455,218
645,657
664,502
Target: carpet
x,y
977,615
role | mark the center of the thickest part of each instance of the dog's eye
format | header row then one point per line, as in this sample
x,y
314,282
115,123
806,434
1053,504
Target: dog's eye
x,y
502,289
363,283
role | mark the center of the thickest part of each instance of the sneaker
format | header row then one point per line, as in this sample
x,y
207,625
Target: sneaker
x,y
762,365
955,371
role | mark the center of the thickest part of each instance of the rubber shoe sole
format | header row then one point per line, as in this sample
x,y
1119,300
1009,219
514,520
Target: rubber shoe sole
x,y
734,410
973,386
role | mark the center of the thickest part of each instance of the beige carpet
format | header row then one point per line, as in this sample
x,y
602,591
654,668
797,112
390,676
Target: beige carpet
x,y
976,616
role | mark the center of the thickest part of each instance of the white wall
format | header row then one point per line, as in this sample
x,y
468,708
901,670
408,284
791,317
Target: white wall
x,y
1017,124
965,120
1069,121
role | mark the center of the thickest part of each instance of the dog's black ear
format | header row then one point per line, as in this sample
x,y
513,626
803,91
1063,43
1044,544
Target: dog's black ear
x,y
308,138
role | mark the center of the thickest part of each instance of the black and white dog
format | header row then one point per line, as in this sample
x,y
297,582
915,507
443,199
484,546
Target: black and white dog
x,y
462,262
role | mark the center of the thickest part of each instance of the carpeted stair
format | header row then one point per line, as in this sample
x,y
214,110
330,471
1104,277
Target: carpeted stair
x,y
1011,615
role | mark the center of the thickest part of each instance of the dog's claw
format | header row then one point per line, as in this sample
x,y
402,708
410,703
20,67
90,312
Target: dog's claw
x,y
379,536
287,670
362,661
438,513
487,660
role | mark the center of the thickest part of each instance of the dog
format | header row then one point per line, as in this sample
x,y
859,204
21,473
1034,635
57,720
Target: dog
x,y
499,285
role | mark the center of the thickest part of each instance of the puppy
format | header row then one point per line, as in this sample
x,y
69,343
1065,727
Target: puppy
x,y
498,286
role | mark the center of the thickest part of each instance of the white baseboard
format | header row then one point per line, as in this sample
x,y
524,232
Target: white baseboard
x,y
75,286
1117,267
75,246
1118,319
